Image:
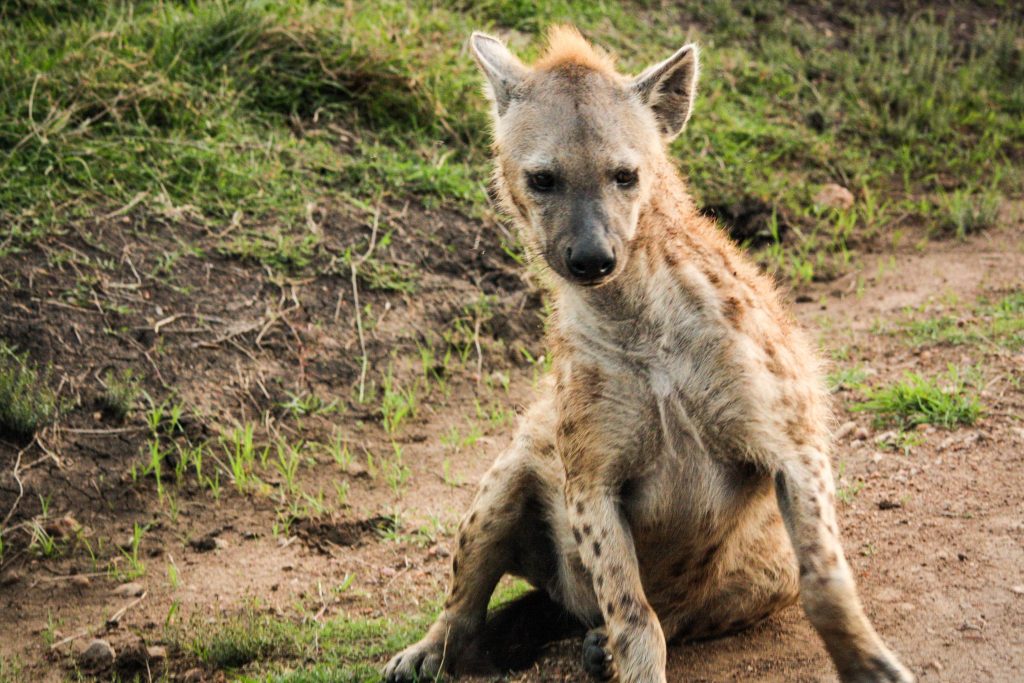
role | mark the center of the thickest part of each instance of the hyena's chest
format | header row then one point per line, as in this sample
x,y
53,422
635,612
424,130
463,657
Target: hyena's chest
x,y
683,417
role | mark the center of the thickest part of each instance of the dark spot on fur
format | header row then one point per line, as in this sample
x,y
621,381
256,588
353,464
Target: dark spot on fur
x,y
587,529
472,517
732,309
577,536
610,608
709,556
579,507
597,549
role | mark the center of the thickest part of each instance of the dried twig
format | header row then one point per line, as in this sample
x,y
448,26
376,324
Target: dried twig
x,y
116,616
354,267
21,487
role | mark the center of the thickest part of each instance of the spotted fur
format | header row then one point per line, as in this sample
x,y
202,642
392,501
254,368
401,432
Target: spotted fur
x,y
673,479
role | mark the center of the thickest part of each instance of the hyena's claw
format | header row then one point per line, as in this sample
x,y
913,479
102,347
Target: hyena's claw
x,y
417,663
597,660
881,668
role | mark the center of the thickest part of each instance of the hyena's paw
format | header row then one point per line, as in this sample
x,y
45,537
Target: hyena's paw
x,y
880,668
417,663
597,659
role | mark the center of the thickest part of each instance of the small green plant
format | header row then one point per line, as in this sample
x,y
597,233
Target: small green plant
x,y
301,405
120,393
966,212
451,478
49,632
340,452
135,566
902,440
846,378
397,403
287,464
42,543
396,472
26,401
240,449
918,400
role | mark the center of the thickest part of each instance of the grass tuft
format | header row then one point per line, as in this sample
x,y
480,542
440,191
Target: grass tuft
x,y
26,401
916,400
966,213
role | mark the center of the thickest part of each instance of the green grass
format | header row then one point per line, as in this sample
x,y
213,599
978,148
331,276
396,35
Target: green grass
x,y
258,647
915,399
242,114
121,391
993,323
27,403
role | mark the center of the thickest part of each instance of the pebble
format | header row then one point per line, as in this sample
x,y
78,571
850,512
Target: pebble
x,y
193,676
156,653
97,656
1019,590
846,429
130,590
833,196
79,581
10,578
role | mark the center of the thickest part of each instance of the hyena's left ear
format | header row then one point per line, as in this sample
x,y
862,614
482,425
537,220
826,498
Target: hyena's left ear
x,y
503,70
669,87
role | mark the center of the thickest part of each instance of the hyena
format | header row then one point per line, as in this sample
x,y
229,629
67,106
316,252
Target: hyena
x,y
673,480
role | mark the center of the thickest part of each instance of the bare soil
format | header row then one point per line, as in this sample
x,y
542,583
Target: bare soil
x,y
935,536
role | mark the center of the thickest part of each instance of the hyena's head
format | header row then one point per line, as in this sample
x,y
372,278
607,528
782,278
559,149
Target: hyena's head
x,y
578,145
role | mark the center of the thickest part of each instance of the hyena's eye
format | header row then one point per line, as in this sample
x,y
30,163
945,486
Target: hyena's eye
x,y
625,178
541,181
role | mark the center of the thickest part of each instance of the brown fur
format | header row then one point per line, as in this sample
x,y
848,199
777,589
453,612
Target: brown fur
x,y
693,494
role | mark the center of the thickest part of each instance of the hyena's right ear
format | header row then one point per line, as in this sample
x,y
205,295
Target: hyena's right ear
x,y
503,70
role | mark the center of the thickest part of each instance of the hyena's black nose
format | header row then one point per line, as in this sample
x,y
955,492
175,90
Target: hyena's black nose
x,y
590,260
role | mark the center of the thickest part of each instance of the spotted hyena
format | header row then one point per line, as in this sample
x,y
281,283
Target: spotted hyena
x,y
673,480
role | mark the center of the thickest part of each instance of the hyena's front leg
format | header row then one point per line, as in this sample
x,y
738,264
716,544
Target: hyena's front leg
x,y
490,538
806,495
634,636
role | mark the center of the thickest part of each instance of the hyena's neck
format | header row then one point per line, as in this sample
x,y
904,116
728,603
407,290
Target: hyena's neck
x,y
680,266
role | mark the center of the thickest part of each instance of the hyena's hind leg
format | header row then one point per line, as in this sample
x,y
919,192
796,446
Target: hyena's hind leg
x,y
505,531
806,497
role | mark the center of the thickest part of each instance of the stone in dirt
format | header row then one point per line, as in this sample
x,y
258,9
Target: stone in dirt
x,y
130,590
832,196
97,656
206,544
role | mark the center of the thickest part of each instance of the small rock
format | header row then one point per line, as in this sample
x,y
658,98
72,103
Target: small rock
x,y
935,666
886,504
129,590
961,556
97,656
862,433
62,528
846,429
206,544
832,196
439,550
79,581
1019,590
156,653
357,470
10,578
193,676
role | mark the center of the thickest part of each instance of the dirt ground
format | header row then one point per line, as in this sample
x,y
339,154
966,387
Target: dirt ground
x,y
935,536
